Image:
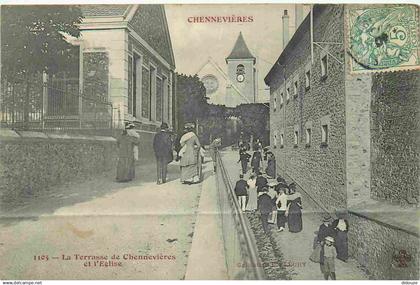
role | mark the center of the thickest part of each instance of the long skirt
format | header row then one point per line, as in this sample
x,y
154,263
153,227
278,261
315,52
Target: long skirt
x,y
125,169
341,245
190,173
252,199
294,219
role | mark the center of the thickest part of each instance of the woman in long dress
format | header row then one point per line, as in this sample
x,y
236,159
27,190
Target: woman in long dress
x,y
271,165
294,210
341,227
125,167
252,194
190,156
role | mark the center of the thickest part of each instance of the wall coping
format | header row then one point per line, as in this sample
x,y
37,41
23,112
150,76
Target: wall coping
x,y
8,134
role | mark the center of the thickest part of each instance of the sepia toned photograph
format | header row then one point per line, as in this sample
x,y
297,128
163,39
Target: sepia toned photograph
x,y
246,141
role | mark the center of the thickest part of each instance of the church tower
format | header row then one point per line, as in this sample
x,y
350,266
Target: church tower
x,y
241,88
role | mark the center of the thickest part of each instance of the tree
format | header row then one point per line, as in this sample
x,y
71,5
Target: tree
x,y
33,39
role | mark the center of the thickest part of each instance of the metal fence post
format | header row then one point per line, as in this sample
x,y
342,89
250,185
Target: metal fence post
x,y
44,98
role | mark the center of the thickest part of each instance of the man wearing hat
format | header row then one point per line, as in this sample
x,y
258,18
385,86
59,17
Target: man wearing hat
x,y
327,258
325,229
265,206
162,146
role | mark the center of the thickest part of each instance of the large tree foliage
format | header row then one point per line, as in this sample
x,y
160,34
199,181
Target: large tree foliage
x,y
33,41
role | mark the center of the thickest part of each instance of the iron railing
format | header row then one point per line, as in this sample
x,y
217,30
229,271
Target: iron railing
x,y
54,104
241,253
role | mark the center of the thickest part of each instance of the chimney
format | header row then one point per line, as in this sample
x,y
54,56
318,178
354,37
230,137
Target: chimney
x,y
285,19
298,15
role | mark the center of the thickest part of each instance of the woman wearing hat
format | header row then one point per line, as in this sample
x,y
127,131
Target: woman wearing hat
x,y
125,166
341,227
294,210
190,156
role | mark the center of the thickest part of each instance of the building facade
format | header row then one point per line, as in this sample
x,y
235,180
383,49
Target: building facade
x,y
348,140
126,53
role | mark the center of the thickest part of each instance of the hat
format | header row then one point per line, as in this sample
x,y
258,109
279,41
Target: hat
x,y
326,218
164,126
264,189
328,238
272,183
189,126
129,125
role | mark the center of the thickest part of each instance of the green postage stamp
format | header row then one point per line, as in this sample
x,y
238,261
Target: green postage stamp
x,y
383,38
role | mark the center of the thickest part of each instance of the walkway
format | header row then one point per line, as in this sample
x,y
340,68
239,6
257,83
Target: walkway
x,y
73,231
296,248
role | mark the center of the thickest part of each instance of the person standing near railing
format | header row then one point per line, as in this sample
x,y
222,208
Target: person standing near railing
x,y
241,191
265,206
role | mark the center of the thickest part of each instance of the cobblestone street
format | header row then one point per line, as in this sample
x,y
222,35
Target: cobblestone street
x,y
297,247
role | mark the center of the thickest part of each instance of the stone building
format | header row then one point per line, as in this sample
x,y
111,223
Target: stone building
x,y
126,53
349,141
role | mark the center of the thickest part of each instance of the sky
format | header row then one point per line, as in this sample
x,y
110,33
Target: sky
x,y
194,43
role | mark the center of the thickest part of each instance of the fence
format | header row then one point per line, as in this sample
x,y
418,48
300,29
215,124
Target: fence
x,y
54,104
241,253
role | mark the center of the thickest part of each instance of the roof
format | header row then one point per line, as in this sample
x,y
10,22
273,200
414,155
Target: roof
x,y
240,50
104,10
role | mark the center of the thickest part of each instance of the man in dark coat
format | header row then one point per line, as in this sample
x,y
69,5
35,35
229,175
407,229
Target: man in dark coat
x,y
241,191
325,229
265,206
162,145
260,182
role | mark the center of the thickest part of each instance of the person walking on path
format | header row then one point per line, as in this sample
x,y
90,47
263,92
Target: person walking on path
x,y
132,132
252,194
271,165
162,146
244,159
260,182
327,257
341,227
294,210
265,206
256,161
281,204
241,191
213,148
190,161
125,166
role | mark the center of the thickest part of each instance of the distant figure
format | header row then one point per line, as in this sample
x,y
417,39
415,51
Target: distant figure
x,y
281,203
327,257
131,132
282,184
190,161
252,194
294,210
341,227
260,182
265,206
256,161
271,165
125,167
241,191
258,145
244,159
162,146
213,148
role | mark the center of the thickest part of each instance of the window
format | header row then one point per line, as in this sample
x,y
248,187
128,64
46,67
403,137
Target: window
x,y
307,79
240,69
324,66
295,88
324,135
281,99
275,139
308,137
287,94
296,138
152,90
275,104
281,140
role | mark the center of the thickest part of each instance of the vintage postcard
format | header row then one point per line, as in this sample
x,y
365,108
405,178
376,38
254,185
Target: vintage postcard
x,y
274,141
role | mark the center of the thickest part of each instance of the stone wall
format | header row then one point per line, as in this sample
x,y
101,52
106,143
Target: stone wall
x,y
318,169
376,247
395,139
33,162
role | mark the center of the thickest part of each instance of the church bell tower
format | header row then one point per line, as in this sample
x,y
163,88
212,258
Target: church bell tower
x,y
241,88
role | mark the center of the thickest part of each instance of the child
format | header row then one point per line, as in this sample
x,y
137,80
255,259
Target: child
x,y
241,191
327,258
265,206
